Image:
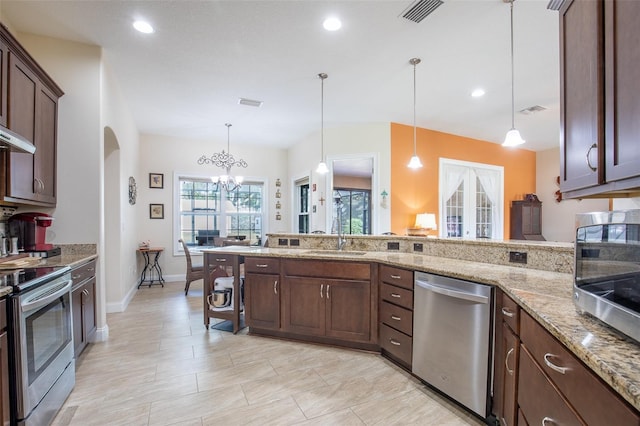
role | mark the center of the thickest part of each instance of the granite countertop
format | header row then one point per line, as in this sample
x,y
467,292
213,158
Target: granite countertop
x,y
546,296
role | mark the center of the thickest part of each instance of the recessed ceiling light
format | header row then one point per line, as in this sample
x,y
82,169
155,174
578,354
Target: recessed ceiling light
x,y
143,27
478,93
332,24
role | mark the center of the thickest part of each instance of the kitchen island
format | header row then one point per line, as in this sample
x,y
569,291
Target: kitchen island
x,y
546,296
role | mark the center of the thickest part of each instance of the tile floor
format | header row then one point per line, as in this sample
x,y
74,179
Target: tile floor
x,y
161,366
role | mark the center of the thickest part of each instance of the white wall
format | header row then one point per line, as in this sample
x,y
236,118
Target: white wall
x,y
169,155
343,141
558,218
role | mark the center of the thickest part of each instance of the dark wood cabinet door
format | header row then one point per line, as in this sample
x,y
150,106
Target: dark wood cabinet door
x,y
45,155
5,415
304,305
348,310
622,61
581,95
510,357
89,310
4,71
76,309
23,90
262,300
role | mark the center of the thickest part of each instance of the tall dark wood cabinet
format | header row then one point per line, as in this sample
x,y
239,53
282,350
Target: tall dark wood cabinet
x,y
526,220
600,98
29,107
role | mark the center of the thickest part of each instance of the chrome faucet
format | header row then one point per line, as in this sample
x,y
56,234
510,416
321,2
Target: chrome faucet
x,y
341,239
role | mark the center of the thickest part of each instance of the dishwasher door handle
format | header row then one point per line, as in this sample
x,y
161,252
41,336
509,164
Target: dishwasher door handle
x,y
453,293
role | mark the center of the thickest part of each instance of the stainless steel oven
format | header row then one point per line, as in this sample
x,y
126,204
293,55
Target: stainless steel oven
x,y
41,343
607,268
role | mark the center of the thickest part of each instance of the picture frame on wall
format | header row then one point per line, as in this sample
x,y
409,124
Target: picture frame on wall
x,y
156,211
156,180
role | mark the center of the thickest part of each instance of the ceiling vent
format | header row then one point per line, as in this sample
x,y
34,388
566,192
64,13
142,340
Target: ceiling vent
x,y
555,4
420,9
250,102
532,110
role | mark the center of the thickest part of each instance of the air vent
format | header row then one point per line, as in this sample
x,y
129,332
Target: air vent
x,y
250,102
555,4
532,110
419,10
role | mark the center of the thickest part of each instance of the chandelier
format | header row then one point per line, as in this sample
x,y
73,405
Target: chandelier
x,y
225,160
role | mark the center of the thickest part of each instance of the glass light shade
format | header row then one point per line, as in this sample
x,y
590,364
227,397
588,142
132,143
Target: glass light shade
x,y
239,180
513,138
426,221
322,168
414,163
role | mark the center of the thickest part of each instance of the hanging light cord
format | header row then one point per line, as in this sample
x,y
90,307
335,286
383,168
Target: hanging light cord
x,y
322,77
414,106
513,123
228,130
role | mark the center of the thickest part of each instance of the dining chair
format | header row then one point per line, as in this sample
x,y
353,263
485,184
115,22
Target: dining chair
x,y
194,273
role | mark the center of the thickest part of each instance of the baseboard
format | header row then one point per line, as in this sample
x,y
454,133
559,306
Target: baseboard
x,y
102,334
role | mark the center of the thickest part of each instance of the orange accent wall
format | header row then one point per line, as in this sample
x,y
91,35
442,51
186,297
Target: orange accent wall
x,y
416,191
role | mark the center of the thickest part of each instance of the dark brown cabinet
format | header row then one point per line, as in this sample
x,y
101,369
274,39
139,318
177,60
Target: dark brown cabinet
x,y
507,347
526,220
396,314
262,293
600,55
30,99
5,415
552,384
83,305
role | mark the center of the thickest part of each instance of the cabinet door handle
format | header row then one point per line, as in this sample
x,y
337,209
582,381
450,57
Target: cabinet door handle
x,y
328,286
506,361
275,287
396,318
321,289
396,277
395,295
561,370
85,292
548,421
507,313
589,159
394,342
90,269
221,260
261,265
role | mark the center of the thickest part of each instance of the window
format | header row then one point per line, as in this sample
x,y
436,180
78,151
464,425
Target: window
x,y
355,211
205,213
471,200
302,205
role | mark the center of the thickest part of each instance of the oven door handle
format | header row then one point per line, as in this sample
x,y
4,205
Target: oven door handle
x,y
44,298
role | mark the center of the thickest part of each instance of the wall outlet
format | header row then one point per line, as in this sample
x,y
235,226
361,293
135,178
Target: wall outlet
x,y
518,257
417,247
283,241
393,246
294,242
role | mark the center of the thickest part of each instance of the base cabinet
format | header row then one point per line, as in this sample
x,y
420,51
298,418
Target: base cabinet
x,y
5,415
262,293
396,314
83,306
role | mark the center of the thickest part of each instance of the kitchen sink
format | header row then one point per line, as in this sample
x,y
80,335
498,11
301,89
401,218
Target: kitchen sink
x,y
336,252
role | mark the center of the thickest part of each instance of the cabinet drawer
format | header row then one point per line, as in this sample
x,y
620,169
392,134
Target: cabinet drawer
x,y
510,313
399,318
262,265
396,276
3,314
397,344
83,272
601,405
397,295
220,259
538,398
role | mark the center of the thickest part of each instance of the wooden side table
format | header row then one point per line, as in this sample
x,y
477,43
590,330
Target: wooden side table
x,y
151,267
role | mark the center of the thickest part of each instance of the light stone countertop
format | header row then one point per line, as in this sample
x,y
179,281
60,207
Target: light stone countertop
x,y
546,296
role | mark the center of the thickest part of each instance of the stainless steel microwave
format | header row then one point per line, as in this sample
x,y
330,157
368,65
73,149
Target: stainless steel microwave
x,y
607,268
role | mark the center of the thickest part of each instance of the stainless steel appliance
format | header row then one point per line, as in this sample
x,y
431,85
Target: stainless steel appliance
x,y
607,268
452,334
40,343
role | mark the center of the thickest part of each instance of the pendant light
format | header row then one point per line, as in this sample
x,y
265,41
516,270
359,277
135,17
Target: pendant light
x,y
513,137
225,160
415,162
322,167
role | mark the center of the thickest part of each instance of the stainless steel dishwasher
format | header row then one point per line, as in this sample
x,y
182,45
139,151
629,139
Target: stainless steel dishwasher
x,y
452,332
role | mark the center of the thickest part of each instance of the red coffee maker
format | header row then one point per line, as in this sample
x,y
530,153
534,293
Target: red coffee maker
x,y
30,228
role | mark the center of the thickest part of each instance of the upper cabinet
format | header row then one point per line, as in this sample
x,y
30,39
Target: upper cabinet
x,y
600,98
31,100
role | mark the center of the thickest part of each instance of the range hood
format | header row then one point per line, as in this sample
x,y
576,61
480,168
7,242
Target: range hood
x,y
14,142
